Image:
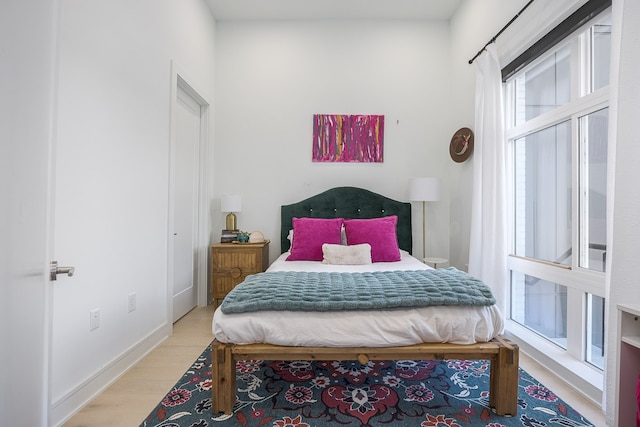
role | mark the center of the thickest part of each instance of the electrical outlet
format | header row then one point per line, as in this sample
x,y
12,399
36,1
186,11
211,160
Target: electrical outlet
x,y
132,301
94,319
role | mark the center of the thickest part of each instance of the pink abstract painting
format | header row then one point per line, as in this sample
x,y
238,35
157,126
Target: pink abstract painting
x,y
348,138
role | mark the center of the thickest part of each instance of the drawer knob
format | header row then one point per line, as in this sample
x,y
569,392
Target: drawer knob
x,y
236,272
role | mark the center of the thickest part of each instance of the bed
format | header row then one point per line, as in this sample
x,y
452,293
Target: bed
x,y
274,332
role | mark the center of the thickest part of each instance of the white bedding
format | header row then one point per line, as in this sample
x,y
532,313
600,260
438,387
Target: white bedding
x,y
458,325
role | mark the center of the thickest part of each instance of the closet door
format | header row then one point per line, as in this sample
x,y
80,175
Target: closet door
x,y
185,203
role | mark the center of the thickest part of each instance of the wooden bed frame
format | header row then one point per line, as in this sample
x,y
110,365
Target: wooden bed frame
x,y
350,202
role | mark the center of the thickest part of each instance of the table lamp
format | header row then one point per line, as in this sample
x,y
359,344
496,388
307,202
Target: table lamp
x,y
231,203
424,190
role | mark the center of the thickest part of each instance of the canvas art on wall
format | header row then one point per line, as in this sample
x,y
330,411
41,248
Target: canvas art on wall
x,y
348,138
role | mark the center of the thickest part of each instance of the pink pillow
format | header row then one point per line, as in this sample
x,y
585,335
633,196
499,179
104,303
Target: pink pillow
x,y
380,233
309,236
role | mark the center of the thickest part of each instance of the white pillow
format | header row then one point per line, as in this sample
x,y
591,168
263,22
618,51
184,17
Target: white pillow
x,y
346,255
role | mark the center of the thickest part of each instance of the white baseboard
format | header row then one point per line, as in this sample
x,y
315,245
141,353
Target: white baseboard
x,y
71,403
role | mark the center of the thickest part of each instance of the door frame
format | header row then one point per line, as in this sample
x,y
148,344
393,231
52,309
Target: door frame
x,y
180,80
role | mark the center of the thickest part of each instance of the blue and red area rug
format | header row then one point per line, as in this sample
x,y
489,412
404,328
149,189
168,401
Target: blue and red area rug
x,y
450,393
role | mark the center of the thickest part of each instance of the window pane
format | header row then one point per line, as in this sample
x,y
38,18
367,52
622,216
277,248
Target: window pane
x,y
543,195
544,87
600,52
595,330
593,189
541,306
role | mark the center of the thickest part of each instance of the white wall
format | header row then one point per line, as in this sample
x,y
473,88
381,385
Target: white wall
x,y
114,95
271,77
624,194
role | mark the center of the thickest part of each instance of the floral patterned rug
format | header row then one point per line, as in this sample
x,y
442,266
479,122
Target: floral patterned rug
x,y
422,393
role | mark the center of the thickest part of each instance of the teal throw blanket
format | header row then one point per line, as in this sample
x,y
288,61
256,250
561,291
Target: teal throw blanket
x,y
312,291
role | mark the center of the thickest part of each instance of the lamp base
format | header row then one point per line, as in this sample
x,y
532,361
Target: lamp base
x,y
231,221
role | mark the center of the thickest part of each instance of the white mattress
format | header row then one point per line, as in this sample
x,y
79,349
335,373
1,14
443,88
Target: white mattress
x,y
362,328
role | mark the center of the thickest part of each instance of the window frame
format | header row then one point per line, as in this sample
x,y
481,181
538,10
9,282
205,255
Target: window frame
x,y
579,281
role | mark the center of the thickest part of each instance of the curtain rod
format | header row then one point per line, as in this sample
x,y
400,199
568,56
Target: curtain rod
x,y
493,39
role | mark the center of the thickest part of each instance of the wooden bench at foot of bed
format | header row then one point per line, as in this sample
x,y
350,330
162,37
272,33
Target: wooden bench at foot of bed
x,y
503,354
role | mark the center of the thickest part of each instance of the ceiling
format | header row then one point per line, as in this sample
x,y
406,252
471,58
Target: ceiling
x,y
332,9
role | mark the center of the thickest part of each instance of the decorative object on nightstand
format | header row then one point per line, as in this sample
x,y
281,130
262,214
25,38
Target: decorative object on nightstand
x,y
231,203
435,261
424,190
256,237
230,263
229,236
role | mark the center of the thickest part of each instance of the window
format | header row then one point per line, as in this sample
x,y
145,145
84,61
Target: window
x,y
543,182
592,129
541,306
543,87
557,124
595,326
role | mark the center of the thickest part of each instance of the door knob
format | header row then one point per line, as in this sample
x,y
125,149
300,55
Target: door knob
x,y
55,270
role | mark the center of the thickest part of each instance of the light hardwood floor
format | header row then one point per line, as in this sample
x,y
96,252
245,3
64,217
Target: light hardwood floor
x,y
130,399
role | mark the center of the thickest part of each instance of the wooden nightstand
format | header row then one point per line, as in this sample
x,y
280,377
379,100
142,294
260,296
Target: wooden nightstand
x,y
230,263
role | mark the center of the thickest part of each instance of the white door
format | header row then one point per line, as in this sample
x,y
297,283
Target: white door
x,y
185,202
26,84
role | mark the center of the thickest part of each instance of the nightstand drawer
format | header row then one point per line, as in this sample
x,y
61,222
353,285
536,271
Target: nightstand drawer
x,y
230,263
236,262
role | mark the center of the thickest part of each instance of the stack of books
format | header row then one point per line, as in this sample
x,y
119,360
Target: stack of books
x,y
229,236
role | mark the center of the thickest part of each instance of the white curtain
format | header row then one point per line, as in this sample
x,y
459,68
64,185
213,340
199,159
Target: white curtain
x,y
488,241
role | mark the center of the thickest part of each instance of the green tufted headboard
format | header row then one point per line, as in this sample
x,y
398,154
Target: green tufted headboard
x,y
348,202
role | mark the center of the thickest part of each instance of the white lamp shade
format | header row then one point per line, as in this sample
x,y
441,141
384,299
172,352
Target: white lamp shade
x,y
424,189
231,203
